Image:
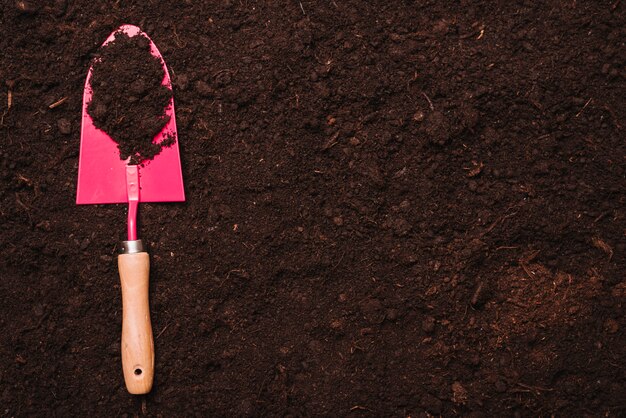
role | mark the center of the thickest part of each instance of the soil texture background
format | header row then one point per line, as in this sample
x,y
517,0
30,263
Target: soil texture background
x,y
394,208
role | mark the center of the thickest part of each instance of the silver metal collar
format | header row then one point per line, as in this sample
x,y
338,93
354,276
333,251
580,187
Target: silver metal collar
x,y
131,247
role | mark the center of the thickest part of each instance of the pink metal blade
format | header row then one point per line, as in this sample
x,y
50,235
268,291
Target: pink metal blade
x,y
101,173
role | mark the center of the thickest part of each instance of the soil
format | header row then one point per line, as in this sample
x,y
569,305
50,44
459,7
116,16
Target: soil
x,y
129,102
394,209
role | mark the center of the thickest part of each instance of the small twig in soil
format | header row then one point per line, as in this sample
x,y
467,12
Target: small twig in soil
x,y
581,110
523,262
520,391
302,8
475,170
28,209
359,408
496,222
569,284
602,215
527,270
601,245
57,103
536,389
225,71
338,262
162,331
22,204
263,385
177,39
430,104
530,257
28,181
518,304
10,84
422,34
332,141
477,294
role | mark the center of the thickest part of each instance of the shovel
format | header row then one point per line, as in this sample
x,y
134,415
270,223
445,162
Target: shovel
x,y
104,178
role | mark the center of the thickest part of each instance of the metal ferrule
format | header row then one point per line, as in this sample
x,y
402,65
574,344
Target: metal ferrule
x,y
132,247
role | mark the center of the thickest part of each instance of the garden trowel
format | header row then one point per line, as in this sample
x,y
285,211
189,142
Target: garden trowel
x,y
104,178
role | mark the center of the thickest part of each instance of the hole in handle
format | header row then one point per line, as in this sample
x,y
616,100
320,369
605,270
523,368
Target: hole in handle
x,y
138,372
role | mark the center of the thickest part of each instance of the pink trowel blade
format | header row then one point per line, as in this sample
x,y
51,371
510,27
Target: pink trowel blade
x,y
102,175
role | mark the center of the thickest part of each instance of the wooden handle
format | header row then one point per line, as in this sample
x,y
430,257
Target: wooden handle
x,y
137,342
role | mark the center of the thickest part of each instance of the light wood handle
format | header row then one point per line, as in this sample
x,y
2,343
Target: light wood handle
x,y
137,342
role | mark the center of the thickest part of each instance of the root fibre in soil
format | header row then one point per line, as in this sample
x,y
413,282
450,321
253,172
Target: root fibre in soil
x,y
394,209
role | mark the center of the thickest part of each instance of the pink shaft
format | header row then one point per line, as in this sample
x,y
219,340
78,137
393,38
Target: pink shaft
x,y
132,189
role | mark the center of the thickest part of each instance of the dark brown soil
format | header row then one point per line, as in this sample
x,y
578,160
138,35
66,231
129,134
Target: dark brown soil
x,y
394,209
129,103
